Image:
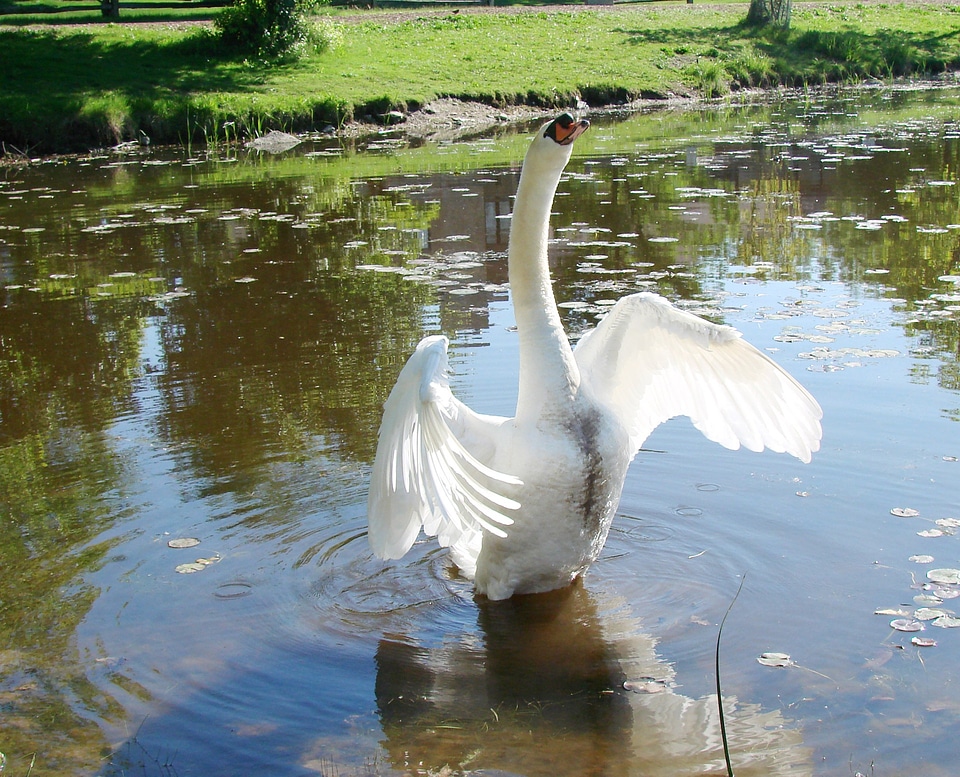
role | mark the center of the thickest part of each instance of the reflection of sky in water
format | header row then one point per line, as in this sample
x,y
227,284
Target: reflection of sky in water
x,y
201,349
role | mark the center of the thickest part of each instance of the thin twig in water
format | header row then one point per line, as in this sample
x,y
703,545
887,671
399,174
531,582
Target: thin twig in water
x,y
723,725
814,671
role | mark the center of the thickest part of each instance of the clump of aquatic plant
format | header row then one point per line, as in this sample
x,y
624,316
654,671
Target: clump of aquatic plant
x,y
709,77
752,68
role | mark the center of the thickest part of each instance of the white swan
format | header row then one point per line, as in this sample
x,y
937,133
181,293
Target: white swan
x,y
525,503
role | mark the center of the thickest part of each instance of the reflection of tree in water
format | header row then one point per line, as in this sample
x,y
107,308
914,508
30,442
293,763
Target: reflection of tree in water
x,y
900,177
310,350
543,694
245,362
67,369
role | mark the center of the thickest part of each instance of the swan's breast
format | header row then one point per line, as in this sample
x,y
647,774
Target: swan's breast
x,y
572,465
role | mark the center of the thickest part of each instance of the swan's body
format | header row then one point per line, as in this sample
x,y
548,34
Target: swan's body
x,y
525,503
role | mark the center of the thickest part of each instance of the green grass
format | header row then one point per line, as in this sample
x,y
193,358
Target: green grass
x,y
40,12
75,87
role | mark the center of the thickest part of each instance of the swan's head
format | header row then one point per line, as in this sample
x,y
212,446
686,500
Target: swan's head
x,y
564,129
554,141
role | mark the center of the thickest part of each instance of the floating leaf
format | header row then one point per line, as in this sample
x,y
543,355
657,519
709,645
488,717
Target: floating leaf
x,y
923,642
906,624
947,622
905,512
944,593
948,523
944,576
645,685
931,533
922,559
193,566
775,659
891,611
183,542
929,613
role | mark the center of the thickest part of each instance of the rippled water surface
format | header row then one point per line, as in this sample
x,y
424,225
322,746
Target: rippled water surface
x,y
198,347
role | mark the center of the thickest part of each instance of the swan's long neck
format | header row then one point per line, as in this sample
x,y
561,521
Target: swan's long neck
x,y
548,372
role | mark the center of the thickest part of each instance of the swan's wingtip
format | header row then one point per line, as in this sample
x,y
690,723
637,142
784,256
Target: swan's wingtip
x,y
433,342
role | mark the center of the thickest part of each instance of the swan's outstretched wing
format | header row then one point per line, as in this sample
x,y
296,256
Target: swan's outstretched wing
x,y
650,362
423,475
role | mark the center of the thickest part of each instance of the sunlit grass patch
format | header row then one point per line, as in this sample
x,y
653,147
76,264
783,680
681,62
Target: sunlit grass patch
x,y
85,85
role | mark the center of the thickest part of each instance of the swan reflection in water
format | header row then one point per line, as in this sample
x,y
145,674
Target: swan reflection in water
x,y
549,687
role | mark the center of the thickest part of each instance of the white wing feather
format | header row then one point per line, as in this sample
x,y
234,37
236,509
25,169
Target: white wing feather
x,y
649,362
423,475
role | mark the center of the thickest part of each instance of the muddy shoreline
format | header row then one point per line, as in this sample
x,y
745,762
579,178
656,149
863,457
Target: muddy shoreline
x,y
450,119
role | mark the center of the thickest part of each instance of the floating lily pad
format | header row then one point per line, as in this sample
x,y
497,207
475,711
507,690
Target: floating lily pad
x,y
891,611
905,512
944,576
947,622
929,613
775,659
921,559
923,642
906,624
943,592
193,566
931,533
183,542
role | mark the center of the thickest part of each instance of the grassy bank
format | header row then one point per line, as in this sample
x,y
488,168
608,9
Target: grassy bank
x,y
82,85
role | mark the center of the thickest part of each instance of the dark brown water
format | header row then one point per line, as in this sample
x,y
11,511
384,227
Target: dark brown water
x,y
199,346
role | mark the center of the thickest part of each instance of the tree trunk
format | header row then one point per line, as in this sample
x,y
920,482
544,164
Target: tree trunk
x,y
110,8
773,12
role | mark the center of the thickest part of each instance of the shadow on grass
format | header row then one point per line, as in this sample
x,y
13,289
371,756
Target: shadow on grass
x,y
23,14
884,53
7,7
674,36
60,64
41,20
49,77
15,7
811,56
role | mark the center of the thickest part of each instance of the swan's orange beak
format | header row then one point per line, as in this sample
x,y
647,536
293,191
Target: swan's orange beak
x,y
565,129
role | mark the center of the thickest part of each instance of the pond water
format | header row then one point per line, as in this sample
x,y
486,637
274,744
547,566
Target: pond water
x,y
198,347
